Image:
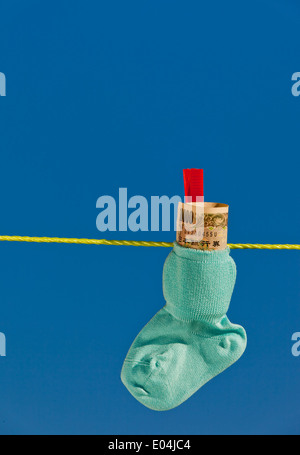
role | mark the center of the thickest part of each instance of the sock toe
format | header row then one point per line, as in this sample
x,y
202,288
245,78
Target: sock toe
x,y
146,378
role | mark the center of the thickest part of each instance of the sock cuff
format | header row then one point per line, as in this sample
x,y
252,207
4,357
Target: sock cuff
x,y
215,256
198,284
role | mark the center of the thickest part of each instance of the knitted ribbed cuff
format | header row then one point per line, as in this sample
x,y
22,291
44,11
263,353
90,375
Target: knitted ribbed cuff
x,y
201,255
198,284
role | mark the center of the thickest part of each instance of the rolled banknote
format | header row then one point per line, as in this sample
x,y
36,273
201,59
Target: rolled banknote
x,y
202,225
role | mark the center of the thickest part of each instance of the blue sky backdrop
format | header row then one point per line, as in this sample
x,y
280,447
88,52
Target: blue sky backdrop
x,y
102,95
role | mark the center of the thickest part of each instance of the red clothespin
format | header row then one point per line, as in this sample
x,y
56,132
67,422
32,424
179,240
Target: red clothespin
x,y
193,185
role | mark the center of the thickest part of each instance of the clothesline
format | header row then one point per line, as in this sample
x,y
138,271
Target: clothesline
x,y
17,238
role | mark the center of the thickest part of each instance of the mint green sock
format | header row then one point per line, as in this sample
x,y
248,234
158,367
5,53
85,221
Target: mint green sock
x,y
190,340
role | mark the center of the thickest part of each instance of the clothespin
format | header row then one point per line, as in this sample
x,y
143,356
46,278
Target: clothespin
x,y
193,185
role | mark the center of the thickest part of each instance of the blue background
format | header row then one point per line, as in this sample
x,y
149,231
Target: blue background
x,y
102,95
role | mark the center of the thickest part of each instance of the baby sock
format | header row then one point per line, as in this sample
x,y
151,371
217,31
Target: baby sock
x,y
190,340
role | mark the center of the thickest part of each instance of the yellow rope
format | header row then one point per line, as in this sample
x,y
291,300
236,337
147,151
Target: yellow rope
x,y
17,238
263,246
